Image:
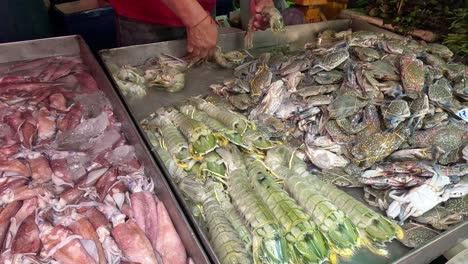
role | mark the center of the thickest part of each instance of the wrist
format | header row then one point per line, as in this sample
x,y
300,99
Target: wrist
x,y
202,20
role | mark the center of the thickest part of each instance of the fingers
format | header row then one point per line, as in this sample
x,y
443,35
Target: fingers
x,y
189,45
258,17
211,52
260,22
197,54
257,25
204,53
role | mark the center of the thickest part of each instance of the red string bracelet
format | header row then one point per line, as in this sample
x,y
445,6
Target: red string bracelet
x,y
194,26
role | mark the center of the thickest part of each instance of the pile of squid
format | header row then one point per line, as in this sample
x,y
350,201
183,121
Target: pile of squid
x,y
71,188
371,111
256,198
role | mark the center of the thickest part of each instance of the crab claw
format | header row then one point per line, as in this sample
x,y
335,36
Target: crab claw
x,y
409,211
457,191
394,208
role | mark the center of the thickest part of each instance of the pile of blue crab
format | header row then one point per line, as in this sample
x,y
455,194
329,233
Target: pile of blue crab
x,y
256,198
367,110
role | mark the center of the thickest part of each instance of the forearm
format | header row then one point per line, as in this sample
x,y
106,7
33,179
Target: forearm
x,y
189,11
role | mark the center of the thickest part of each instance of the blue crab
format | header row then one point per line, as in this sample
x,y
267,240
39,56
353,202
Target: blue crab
x,y
366,54
419,108
417,235
364,39
412,75
440,50
440,218
395,112
445,142
345,106
370,149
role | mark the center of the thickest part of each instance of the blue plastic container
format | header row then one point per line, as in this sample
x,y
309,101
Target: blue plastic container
x,y
96,26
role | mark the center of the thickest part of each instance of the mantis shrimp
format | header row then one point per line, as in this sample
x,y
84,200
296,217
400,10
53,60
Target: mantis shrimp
x,y
173,139
341,233
306,242
231,135
201,139
224,237
374,228
177,173
226,117
269,244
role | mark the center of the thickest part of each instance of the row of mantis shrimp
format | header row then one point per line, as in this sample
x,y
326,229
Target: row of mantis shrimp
x,y
258,202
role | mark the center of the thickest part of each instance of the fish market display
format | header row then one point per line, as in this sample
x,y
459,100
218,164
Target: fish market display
x,y
71,188
254,196
367,110
354,109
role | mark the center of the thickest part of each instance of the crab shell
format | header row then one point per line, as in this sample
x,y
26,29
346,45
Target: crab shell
x,y
419,199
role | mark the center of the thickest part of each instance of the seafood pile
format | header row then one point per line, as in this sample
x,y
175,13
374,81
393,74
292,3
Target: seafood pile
x,y
368,111
163,72
256,197
167,73
71,188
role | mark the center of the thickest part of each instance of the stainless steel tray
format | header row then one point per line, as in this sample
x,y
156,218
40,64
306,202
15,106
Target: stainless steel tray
x,y
74,46
198,81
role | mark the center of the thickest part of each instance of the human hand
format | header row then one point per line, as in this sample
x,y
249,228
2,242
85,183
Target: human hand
x,y
202,38
260,22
